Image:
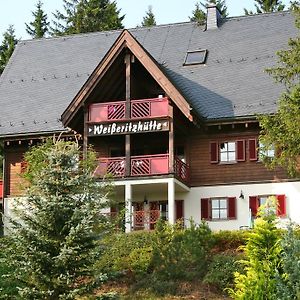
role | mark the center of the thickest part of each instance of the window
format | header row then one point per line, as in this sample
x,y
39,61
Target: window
x,y
256,201
266,153
218,209
227,152
223,208
195,57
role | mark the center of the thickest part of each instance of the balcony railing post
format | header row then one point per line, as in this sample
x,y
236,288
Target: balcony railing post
x,y
171,141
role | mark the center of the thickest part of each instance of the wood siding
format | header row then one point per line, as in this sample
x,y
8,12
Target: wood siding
x,y
204,172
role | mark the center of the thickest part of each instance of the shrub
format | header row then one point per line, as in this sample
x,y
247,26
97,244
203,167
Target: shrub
x,y
262,253
226,240
181,253
130,253
288,283
221,270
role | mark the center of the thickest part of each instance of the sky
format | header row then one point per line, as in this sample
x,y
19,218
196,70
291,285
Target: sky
x,y
17,12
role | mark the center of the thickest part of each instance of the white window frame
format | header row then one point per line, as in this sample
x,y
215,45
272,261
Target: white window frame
x,y
227,151
219,208
270,153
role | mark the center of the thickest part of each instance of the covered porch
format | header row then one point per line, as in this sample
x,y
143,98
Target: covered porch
x,y
148,200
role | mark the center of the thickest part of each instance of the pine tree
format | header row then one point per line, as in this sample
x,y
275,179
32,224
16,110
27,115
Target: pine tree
x,y
39,27
149,19
59,224
7,47
265,6
199,15
282,131
87,16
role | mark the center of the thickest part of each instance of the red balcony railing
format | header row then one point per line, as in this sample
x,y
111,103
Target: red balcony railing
x,y
149,165
139,109
143,218
146,165
181,170
114,166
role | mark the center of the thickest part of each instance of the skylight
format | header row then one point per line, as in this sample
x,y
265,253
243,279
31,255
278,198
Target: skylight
x,y
195,57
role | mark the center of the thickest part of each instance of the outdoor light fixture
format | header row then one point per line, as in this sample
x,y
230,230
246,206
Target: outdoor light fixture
x,y
242,195
145,200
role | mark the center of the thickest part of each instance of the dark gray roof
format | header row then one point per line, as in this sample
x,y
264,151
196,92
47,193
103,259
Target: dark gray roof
x,y
43,76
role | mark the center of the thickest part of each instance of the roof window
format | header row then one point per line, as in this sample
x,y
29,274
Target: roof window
x,y
195,57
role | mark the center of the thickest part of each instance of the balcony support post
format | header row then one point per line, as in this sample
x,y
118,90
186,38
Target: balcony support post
x,y
171,201
171,141
85,131
127,113
128,205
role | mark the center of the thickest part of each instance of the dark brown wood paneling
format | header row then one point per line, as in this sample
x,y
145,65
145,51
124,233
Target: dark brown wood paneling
x,y
203,172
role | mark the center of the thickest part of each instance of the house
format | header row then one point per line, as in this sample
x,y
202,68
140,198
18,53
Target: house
x,y
171,111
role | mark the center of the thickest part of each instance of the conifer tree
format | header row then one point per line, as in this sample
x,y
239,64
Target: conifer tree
x,y
282,131
262,258
87,16
265,6
149,19
39,27
7,47
199,14
59,224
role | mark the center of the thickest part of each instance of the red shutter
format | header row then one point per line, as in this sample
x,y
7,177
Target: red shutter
x,y
179,209
253,149
240,150
231,207
253,205
281,208
214,152
205,208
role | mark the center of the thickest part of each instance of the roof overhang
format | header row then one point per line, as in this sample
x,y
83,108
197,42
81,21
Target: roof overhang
x,y
126,40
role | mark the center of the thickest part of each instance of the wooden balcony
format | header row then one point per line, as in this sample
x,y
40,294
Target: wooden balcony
x,y
139,109
147,165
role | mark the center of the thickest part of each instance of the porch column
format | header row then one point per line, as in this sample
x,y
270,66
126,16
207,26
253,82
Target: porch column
x,y
171,201
128,207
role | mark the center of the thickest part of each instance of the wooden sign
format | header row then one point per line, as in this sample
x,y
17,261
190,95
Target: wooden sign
x,y
128,127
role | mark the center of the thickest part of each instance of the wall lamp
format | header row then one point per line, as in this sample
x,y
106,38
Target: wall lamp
x,y
242,195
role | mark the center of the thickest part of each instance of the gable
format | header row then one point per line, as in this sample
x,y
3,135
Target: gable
x,y
125,41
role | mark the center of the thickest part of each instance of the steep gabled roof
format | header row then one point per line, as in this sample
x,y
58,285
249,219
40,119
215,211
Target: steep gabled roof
x,y
126,40
43,76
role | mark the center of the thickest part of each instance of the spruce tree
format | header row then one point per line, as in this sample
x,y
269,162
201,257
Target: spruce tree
x,y
7,47
87,16
282,131
199,14
58,224
265,6
149,19
39,27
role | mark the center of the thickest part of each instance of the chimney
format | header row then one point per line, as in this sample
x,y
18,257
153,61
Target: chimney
x,y
213,16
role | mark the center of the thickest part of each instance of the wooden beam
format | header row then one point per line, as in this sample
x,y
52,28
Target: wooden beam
x,y
171,140
127,112
85,131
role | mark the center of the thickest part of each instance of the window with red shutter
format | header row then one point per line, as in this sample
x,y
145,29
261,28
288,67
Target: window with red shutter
x,y
253,149
231,207
205,208
253,205
240,150
214,152
281,208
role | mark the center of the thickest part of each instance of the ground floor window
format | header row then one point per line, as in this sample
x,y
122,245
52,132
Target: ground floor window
x,y
221,208
256,201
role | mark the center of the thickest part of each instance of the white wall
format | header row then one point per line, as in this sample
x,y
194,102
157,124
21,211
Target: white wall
x,y
192,201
